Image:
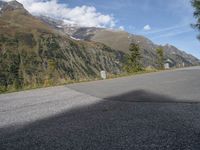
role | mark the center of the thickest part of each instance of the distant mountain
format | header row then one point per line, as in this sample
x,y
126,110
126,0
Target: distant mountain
x,y
120,40
179,56
33,53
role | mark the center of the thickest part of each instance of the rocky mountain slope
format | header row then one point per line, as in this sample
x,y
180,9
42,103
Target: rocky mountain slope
x,y
33,53
120,40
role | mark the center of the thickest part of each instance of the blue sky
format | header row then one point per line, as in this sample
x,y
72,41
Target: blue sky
x,y
169,20
162,21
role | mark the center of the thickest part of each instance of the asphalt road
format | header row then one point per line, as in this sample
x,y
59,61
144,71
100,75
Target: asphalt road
x,y
151,111
181,85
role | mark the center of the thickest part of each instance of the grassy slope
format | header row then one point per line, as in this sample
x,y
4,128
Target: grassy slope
x,y
32,54
121,40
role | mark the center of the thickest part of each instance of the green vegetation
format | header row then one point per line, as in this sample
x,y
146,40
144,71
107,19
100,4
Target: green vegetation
x,y
133,60
33,55
46,59
196,5
160,58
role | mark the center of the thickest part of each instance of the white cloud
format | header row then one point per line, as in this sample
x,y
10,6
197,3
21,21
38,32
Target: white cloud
x,y
80,15
121,28
167,29
147,27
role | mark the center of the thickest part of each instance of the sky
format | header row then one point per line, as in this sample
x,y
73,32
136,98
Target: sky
x,y
163,22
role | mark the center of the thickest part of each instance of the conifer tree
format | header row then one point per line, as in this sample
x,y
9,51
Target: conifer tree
x,y
134,59
160,57
196,5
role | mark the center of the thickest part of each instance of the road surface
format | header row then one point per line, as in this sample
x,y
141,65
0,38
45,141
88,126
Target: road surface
x,y
151,111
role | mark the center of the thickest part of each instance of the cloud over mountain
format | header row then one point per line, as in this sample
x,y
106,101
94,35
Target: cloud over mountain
x,y
80,15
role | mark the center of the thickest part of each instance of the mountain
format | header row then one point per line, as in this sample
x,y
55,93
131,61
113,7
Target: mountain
x,y
120,40
41,51
33,53
12,5
179,56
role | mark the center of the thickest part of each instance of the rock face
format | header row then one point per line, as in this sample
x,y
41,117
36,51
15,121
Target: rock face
x,y
179,57
33,53
120,40
12,5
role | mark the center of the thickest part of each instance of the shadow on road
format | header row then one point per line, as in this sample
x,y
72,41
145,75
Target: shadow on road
x,y
142,96
119,122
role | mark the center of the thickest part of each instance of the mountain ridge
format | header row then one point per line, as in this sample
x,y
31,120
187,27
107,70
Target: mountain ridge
x,y
120,40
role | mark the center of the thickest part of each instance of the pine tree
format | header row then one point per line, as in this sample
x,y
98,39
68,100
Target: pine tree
x,y
160,57
196,5
134,59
